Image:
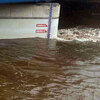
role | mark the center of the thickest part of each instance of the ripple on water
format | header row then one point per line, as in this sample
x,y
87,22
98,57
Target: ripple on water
x,y
32,70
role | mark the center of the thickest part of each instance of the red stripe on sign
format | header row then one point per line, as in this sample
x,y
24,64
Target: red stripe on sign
x,y
41,25
41,31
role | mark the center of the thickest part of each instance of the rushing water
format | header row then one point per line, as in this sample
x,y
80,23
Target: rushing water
x,y
32,69
80,33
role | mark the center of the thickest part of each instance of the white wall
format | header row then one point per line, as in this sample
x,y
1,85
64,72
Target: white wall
x,y
25,28
20,20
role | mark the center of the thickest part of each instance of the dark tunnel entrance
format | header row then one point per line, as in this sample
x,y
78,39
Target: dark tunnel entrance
x,y
76,13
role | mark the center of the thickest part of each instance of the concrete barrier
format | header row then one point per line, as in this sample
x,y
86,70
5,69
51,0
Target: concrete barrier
x,y
27,20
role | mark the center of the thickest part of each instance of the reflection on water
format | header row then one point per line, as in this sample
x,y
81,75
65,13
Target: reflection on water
x,y
32,70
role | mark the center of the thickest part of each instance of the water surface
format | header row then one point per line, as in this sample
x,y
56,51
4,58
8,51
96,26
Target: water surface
x,y
31,69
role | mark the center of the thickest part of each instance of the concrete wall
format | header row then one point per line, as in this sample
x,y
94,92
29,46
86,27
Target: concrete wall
x,y
28,10
21,20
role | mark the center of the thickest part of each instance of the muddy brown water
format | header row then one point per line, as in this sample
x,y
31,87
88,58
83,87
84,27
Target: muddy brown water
x,y
31,69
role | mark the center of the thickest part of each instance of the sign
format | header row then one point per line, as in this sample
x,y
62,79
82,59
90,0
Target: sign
x,y
41,25
41,31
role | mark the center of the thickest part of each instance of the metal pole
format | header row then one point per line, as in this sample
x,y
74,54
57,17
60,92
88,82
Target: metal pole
x,y
50,20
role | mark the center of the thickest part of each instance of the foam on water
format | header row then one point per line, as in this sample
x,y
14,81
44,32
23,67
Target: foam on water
x,y
80,34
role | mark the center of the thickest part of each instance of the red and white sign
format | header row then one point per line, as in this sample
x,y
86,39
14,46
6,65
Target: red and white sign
x,y
41,31
41,25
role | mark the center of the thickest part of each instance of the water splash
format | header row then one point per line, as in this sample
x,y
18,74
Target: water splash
x,y
80,33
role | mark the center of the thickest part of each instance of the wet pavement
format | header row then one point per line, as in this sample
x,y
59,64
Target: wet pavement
x,y
31,69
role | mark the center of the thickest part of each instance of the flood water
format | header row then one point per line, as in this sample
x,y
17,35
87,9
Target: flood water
x,y
32,69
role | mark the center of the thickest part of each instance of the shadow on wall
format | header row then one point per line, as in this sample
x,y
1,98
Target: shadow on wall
x,y
79,13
